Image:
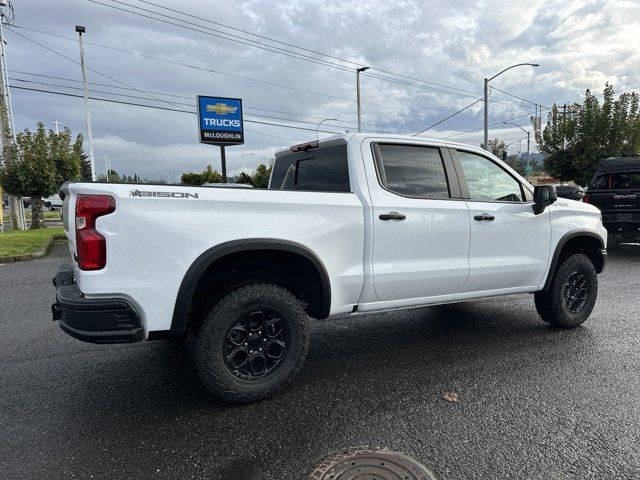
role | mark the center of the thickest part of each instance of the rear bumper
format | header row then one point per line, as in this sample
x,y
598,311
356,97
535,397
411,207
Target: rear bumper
x,y
94,320
615,227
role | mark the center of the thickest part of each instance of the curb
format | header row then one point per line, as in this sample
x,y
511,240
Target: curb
x,y
25,257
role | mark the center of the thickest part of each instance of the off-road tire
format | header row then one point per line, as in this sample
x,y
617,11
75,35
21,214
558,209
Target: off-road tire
x,y
209,346
552,305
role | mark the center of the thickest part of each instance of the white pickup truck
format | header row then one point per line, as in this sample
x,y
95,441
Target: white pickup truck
x,y
353,224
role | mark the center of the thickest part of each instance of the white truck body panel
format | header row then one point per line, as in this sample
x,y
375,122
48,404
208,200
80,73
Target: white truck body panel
x,y
153,241
439,254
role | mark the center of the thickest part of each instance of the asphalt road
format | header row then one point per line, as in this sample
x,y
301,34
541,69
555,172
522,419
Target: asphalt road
x,y
536,402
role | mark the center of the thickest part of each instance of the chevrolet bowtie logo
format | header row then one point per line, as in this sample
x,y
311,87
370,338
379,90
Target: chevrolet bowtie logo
x,y
221,108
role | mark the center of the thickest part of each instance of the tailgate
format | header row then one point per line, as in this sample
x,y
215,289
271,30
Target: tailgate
x,y
68,218
617,205
617,195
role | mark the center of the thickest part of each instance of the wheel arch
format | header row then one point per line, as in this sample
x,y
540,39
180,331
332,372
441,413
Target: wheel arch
x,y
320,302
583,241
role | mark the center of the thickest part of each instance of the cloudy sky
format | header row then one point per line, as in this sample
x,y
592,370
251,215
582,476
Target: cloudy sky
x,y
428,59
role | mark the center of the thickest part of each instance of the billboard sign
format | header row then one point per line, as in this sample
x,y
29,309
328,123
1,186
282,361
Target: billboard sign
x,y
220,120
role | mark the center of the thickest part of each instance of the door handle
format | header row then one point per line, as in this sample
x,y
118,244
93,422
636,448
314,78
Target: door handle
x,y
485,217
392,216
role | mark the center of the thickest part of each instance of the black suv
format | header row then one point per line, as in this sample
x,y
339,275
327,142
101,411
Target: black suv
x,y
615,190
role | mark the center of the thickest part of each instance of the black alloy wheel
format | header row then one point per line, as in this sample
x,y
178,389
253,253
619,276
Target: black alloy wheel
x,y
256,344
576,291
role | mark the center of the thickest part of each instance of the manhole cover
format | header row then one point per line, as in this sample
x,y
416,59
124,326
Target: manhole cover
x,y
369,463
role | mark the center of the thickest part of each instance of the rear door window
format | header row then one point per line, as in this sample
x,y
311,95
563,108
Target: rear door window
x,y
412,171
323,170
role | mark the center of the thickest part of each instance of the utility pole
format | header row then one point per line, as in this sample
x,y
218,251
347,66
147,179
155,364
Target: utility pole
x,y
16,208
106,165
80,29
564,126
358,72
56,125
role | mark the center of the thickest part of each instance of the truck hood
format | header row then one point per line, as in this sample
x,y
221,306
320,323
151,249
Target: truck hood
x,y
576,206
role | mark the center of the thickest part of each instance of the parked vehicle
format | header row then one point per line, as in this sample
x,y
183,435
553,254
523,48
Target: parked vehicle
x,y
54,202
572,192
26,201
354,224
615,190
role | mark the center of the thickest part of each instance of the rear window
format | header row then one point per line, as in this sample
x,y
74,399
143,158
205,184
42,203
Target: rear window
x,y
321,170
616,181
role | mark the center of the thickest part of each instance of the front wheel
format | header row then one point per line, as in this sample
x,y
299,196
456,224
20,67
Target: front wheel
x,y
252,342
572,294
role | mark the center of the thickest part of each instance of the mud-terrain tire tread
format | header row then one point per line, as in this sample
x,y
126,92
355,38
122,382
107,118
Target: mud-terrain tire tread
x,y
550,304
214,376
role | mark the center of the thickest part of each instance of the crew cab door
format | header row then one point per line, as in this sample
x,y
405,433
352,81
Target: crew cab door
x,y
420,229
509,243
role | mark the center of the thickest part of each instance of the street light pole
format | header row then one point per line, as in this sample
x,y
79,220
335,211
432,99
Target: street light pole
x,y
528,142
358,72
321,122
486,99
80,29
486,114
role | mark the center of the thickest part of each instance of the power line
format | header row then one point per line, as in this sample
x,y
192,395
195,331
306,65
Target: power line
x,y
174,62
246,107
354,63
217,72
515,119
88,68
244,41
447,118
211,31
165,108
193,105
515,96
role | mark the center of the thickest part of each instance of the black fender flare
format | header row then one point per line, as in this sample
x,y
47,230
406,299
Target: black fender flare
x,y
198,267
560,246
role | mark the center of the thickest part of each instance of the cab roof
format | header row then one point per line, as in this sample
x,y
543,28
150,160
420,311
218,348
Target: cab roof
x,y
350,137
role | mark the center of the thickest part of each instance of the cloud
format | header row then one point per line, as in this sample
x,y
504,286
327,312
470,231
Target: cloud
x,y
579,44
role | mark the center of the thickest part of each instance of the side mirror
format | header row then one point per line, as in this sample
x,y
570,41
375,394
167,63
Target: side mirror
x,y
543,196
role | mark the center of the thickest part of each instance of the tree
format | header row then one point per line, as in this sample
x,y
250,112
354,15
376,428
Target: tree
x,y
497,147
258,179
64,155
577,136
37,165
208,176
244,178
85,163
261,176
30,170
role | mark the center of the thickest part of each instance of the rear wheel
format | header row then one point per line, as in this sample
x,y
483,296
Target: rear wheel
x,y
572,294
252,342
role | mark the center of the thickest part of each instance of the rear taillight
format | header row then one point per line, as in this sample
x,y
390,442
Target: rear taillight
x,y
91,246
585,199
